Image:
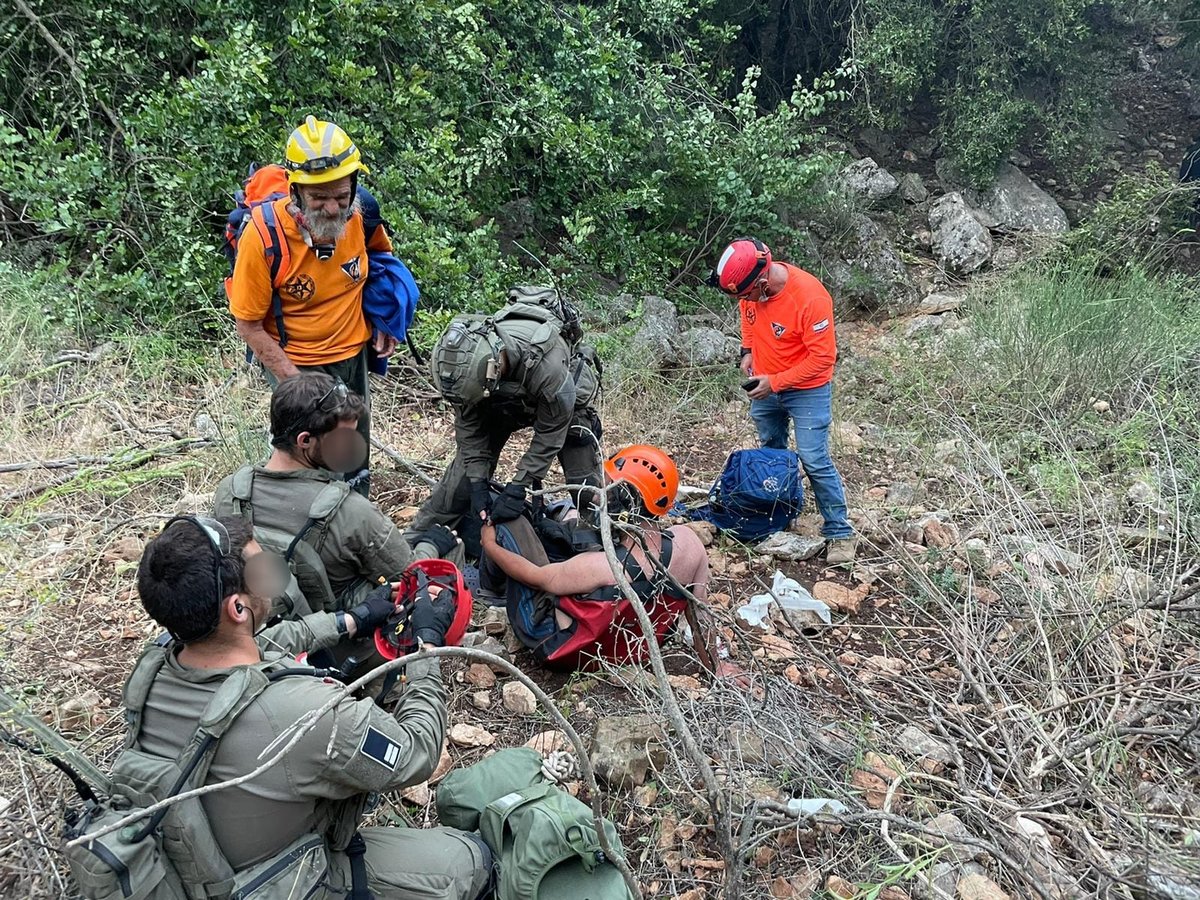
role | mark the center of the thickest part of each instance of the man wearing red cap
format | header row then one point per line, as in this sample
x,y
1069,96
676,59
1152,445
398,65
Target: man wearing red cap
x,y
788,353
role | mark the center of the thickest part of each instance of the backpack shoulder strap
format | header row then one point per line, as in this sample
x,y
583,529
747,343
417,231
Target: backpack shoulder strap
x,y
137,688
324,505
278,255
242,488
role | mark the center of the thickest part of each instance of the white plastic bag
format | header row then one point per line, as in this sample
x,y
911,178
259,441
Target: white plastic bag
x,y
790,595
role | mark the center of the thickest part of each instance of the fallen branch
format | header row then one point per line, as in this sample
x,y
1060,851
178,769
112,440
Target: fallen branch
x,y
67,462
309,721
412,468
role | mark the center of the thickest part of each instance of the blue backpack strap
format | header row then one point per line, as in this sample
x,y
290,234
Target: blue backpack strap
x,y
273,249
371,213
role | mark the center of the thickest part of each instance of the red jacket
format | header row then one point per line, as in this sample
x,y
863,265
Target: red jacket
x,y
791,335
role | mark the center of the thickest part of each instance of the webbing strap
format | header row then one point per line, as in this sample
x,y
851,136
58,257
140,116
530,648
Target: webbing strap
x,y
356,851
273,244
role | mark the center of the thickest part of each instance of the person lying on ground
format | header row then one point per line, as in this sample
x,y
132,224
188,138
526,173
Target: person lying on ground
x,y
570,612
203,581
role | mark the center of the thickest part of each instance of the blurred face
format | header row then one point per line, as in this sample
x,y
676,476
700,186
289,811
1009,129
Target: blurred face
x,y
325,209
264,577
339,450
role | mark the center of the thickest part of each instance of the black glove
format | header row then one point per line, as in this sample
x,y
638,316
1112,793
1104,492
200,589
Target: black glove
x,y
431,619
443,539
374,610
481,497
510,505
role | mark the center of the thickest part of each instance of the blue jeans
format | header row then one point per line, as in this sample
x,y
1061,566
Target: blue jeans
x,y
810,411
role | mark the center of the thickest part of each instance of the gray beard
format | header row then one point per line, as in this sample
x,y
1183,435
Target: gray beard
x,y
323,229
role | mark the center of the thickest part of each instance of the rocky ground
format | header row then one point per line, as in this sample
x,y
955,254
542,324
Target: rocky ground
x,y
999,704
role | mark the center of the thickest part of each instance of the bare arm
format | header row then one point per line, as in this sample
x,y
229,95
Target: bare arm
x,y
578,575
266,348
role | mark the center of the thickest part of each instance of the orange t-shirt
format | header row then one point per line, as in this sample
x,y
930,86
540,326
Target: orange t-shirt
x,y
322,299
790,336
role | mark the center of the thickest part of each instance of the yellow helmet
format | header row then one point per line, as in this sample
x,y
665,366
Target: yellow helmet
x,y
318,152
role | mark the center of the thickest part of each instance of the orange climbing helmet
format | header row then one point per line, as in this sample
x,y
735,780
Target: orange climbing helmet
x,y
650,472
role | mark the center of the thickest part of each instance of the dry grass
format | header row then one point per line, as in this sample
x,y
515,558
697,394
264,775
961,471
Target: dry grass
x,y
1060,705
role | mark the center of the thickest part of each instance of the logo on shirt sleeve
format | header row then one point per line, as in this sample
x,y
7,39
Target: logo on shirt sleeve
x,y
820,326
751,312
778,329
378,746
353,269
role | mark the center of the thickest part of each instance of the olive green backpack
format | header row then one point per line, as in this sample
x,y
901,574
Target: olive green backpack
x,y
173,854
544,839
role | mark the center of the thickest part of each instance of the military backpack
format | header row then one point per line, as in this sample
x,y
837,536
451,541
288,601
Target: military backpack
x,y
173,854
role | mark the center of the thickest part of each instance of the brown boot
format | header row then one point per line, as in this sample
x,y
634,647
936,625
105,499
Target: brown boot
x,y
840,552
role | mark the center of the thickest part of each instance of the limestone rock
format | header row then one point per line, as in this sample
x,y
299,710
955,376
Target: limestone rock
x,y
919,325
840,888
866,179
961,243
464,735
979,887
935,304
481,699
519,699
789,546
625,748
914,742
77,713
706,531
877,274
547,742
838,596
655,338
1017,204
912,188
479,675
705,347
417,794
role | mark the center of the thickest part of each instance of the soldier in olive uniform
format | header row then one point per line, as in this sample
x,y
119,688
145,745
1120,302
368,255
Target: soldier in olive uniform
x,y
313,431
521,367
201,580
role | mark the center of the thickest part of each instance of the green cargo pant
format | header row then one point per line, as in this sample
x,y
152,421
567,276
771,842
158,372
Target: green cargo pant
x,y
450,502
351,372
416,864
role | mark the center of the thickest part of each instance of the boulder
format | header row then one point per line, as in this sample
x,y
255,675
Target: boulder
x,y
875,274
789,546
912,188
706,347
962,244
1017,204
936,304
868,181
919,325
654,341
624,749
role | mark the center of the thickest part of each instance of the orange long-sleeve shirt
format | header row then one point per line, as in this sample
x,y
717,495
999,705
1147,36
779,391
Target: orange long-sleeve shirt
x,y
790,336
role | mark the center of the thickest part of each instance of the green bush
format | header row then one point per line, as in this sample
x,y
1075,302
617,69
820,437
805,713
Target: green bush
x,y
124,157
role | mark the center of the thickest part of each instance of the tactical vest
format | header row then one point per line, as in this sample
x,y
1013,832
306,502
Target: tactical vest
x,y
174,855
309,589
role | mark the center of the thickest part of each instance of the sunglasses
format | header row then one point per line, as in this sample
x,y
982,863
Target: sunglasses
x,y
339,391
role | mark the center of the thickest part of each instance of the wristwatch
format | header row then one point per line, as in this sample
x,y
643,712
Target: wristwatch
x,y
340,618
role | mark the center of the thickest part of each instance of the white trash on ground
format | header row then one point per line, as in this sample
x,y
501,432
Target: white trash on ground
x,y
789,594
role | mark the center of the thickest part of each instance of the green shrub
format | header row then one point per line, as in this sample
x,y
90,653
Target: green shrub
x,y
600,116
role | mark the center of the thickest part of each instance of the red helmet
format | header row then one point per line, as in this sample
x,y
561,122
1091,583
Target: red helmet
x,y
742,264
650,472
394,639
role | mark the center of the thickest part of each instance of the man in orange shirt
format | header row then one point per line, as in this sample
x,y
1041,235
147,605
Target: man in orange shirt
x,y
310,316
788,354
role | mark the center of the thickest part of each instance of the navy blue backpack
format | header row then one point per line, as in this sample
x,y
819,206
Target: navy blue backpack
x,y
757,494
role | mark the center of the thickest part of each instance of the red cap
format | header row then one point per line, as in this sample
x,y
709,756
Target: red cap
x,y
743,263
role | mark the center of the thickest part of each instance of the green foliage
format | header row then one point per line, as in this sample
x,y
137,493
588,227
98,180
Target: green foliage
x,y
1135,227
993,71
126,137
